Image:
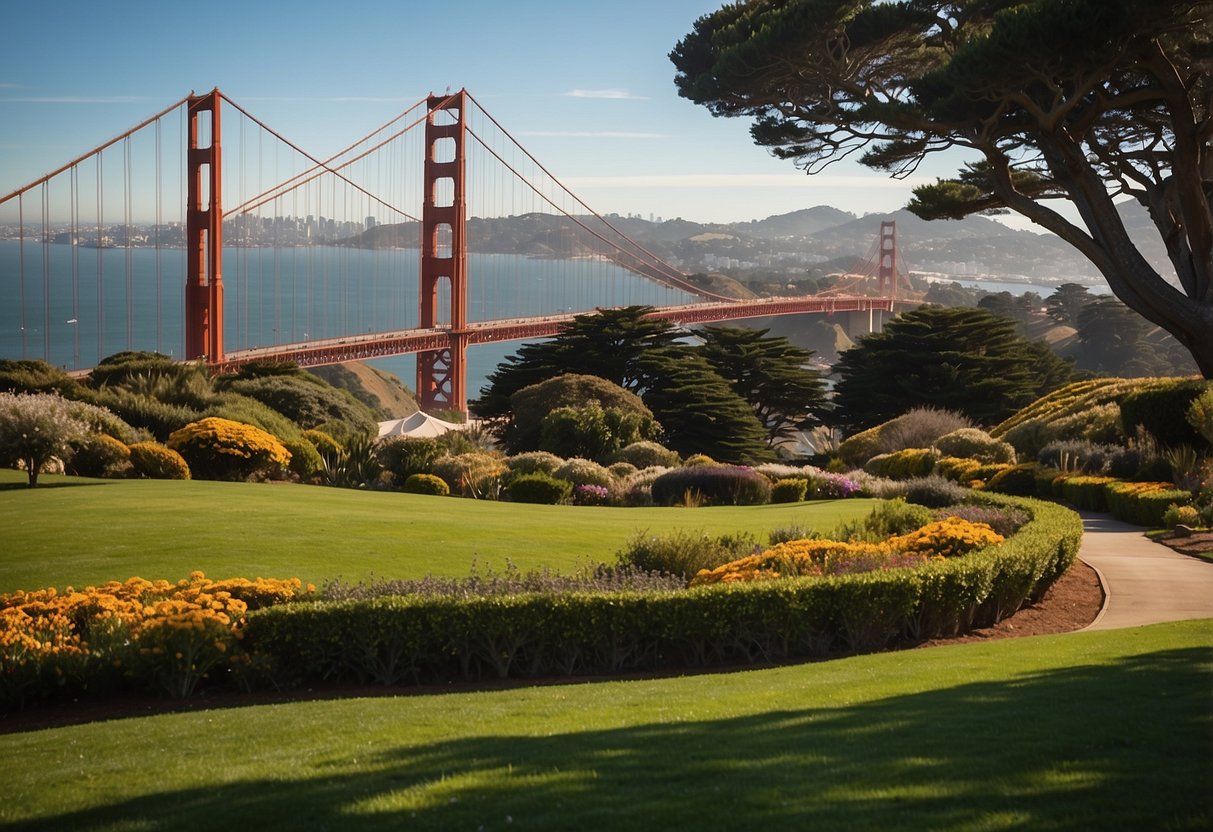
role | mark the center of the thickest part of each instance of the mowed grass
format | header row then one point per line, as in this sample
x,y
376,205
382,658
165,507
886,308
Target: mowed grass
x,y
79,531
1104,730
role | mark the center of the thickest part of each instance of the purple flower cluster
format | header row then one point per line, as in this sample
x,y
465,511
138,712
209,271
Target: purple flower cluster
x,y
827,486
591,495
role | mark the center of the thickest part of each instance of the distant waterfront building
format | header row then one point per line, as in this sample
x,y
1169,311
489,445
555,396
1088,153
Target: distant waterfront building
x,y
370,223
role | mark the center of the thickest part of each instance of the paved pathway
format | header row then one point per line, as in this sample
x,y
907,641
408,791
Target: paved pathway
x,y
1146,582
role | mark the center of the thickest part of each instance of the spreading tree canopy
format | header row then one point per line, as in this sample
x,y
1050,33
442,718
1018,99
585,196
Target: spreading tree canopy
x,y
1083,100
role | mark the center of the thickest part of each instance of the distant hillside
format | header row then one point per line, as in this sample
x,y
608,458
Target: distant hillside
x,y
793,243
382,392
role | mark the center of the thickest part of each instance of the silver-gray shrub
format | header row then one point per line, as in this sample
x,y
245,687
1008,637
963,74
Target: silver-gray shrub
x,y
918,428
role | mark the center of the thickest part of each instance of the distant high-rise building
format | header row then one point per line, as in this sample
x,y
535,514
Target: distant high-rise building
x,y
370,223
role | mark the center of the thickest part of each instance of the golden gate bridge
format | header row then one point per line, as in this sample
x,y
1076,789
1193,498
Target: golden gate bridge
x,y
314,249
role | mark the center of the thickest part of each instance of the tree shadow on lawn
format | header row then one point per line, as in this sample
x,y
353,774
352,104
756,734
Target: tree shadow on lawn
x,y
1121,745
45,484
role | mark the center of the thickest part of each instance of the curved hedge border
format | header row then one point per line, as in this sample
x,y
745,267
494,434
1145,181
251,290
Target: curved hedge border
x,y
397,640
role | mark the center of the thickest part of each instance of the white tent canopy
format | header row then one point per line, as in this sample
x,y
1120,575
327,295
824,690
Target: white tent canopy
x,y
418,424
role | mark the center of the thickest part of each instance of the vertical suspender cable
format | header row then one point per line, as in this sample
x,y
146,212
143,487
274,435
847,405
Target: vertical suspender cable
x,y
159,270
75,218
128,219
21,263
46,278
100,262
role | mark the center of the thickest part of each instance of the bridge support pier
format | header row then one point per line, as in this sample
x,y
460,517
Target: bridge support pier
x,y
866,321
442,374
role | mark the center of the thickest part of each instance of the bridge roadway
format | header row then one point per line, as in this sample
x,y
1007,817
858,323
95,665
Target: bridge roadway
x,y
405,341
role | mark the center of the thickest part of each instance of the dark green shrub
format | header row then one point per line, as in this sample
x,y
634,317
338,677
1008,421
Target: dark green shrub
x,y
539,488
721,485
1019,480
684,553
426,484
158,462
1163,412
99,455
405,456
934,492
790,490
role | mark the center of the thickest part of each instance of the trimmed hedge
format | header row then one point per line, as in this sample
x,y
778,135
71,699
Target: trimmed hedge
x,y
1143,503
396,640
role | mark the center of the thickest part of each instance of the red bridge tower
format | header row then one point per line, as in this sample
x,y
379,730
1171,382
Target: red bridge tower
x,y
441,374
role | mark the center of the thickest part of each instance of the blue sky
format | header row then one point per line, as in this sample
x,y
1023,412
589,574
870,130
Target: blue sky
x,y
586,87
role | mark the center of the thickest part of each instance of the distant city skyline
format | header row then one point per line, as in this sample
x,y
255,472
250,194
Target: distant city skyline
x,y
587,89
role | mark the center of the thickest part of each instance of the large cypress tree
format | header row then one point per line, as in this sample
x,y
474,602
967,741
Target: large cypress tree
x,y
694,404
769,372
968,360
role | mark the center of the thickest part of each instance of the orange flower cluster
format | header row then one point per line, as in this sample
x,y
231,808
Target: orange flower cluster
x,y
950,537
192,624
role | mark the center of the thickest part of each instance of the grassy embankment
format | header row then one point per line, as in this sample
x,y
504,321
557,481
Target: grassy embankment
x,y
1102,730
79,531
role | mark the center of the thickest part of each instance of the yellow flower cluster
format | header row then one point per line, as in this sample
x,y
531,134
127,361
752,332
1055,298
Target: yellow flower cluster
x,y
950,537
119,621
797,558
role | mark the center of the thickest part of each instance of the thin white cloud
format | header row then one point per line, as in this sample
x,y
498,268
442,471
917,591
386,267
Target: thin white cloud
x,y
614,93
342,99
77,99
741,180
588,134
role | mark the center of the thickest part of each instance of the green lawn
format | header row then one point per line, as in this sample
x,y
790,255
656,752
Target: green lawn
x,y
1105,730
80,531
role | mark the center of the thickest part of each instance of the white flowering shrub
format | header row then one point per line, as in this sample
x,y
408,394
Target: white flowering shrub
x,y
36,428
